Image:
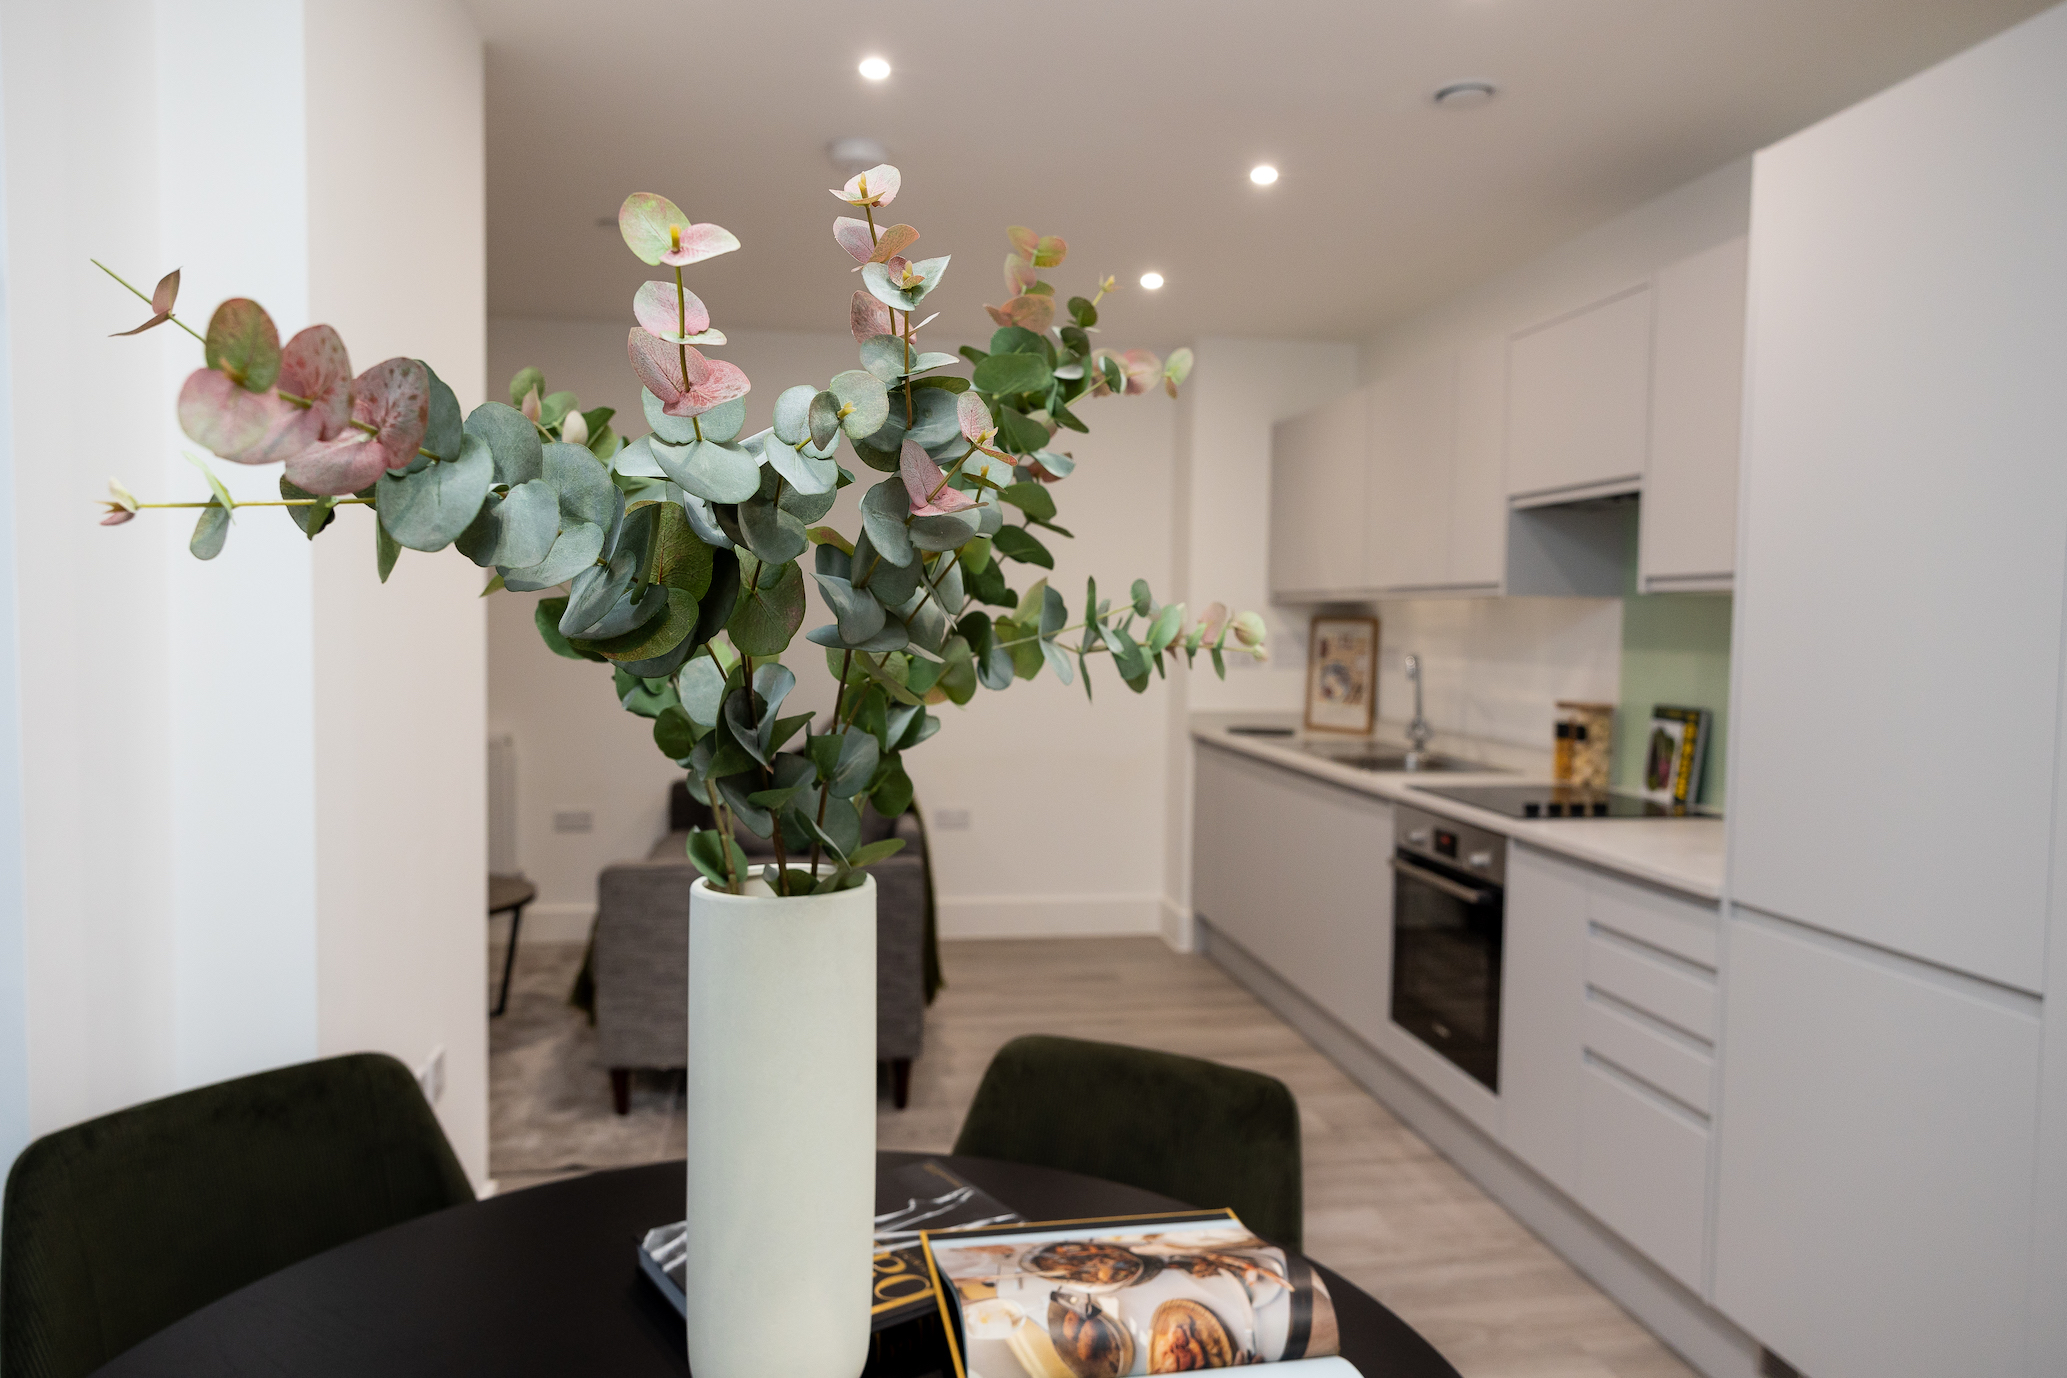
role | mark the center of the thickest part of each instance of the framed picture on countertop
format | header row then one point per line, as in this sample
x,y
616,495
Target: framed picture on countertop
x,y
1342,674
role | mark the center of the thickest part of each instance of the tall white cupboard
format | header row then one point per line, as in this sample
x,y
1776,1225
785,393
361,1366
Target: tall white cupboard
x,y
1895,727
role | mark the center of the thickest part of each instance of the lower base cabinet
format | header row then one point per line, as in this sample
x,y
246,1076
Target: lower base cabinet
x,y
1607,1050
1879,1130
1296,871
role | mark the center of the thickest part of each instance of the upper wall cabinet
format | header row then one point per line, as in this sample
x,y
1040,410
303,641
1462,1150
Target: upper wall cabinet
x,y
1688,539
1578,401
1412,435
1317,486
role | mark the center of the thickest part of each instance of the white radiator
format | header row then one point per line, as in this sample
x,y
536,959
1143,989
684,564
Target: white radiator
x,y
502,805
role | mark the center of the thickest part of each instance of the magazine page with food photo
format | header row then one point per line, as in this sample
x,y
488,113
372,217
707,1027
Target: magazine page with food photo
x,y
1140,1294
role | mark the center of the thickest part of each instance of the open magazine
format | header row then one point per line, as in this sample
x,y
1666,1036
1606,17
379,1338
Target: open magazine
x,y
1135,1294
911,1200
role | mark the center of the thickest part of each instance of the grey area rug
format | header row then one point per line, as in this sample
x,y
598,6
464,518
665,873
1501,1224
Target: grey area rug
x,y
548,1090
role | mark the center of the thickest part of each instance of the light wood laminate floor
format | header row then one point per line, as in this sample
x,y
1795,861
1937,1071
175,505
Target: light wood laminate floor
x,y
1381,1206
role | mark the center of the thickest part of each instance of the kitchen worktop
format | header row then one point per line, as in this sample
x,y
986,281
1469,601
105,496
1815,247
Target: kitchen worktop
x,y
1683,854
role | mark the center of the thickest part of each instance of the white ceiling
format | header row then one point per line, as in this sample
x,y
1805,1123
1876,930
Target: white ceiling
x,y
1129,128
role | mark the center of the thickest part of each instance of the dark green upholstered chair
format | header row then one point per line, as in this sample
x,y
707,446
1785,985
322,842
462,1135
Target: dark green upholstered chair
x,y
116,1228
1209,1135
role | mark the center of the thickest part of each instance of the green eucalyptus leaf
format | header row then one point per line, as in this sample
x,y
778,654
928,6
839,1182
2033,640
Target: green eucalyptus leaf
x,y
804,474
1084,314
934,421
680,559
863,400
701,686
822,419
672,430
386,550
512,441
315,516
860,615
714,472
792,420
1018,434
210,531
523,383
545,615
514,531
944,531
884,356
722,599
444,431
584,487
574,550
1034,499
883,512
1016,543
772,534
892,795
243,343
673,734
889,583
770,613
723,423
717,856
1012,373
429,508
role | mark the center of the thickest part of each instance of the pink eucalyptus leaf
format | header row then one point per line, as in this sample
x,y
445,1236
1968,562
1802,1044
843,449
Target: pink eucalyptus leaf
x,y
316,368
394,398
117,516
924,483
974,416
699,242
711,382
1000,317
875,187
219,414
157,320
894,240
166,293
338,468
867,317
1035,312
1020,276
1143,369
1025,241
661,314
853,236
1050,252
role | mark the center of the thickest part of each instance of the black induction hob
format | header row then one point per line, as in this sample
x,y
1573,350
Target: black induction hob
x,y
1562,801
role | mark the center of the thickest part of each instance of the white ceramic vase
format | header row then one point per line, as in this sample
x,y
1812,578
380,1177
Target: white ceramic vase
x,y
782,1131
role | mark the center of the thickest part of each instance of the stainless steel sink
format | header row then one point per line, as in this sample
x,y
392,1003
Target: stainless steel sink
x,y
1393,759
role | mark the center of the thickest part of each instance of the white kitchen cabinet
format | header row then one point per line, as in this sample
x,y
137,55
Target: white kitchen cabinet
x,y
1542,997
1877,1144
1478,489
1689,528
1578,400
1412,438
1296,872
1607,1033
1898,646
1318,466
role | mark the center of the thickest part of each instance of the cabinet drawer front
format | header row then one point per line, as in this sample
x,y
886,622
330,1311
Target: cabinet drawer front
x,y
1648,1054
1671,993
1685,928
1644,1172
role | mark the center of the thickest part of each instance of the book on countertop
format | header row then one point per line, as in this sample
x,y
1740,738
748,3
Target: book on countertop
x,y
1674,755
922,1196
1130,1295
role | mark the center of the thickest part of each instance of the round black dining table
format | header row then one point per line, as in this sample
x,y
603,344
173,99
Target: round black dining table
x,y
546,1281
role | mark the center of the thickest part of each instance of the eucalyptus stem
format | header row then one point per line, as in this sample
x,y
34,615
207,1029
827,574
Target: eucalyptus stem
x,y
266,502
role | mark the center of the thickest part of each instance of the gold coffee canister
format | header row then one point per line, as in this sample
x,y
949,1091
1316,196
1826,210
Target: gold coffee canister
x,y
1585,737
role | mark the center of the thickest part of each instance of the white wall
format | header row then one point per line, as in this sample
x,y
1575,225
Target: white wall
x,y
1086,777
14,1023
198,734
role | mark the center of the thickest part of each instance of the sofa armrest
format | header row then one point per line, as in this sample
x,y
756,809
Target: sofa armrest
x,y
642,962
900,955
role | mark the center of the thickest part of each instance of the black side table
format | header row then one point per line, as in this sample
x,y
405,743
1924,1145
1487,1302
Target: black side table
x,y
511,893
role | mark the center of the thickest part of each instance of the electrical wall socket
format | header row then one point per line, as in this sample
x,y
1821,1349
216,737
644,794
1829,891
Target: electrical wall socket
x,y
951,820
574,821
431,1076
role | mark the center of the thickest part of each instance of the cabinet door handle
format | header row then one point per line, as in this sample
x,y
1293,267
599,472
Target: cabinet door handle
x,y
1443,883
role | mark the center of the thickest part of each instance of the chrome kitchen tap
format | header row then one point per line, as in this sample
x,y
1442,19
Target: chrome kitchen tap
x,y
1418,731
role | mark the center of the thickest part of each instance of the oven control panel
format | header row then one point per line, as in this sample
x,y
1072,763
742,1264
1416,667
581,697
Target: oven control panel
x,y
1471,850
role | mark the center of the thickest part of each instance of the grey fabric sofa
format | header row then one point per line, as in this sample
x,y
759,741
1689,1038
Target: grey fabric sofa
x,y
642,952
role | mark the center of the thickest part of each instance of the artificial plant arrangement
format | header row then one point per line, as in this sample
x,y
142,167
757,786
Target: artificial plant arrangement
x,y
681,551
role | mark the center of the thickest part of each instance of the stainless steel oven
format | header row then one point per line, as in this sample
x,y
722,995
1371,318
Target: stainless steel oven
x,y
1447,922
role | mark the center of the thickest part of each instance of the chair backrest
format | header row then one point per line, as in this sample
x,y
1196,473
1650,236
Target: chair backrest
x,y
115,1228
1208,1135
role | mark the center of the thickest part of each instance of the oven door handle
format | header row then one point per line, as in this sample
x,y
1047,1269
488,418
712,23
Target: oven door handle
x,y
1453,889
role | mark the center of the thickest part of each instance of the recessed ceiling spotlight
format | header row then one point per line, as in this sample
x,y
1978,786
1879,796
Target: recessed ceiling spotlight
x,y
1263,174
875,68
1151,280
1463,95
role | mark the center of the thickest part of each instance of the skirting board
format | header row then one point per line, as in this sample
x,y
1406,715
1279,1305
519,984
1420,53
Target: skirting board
x,y
1048,916
1697,1332
548,923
